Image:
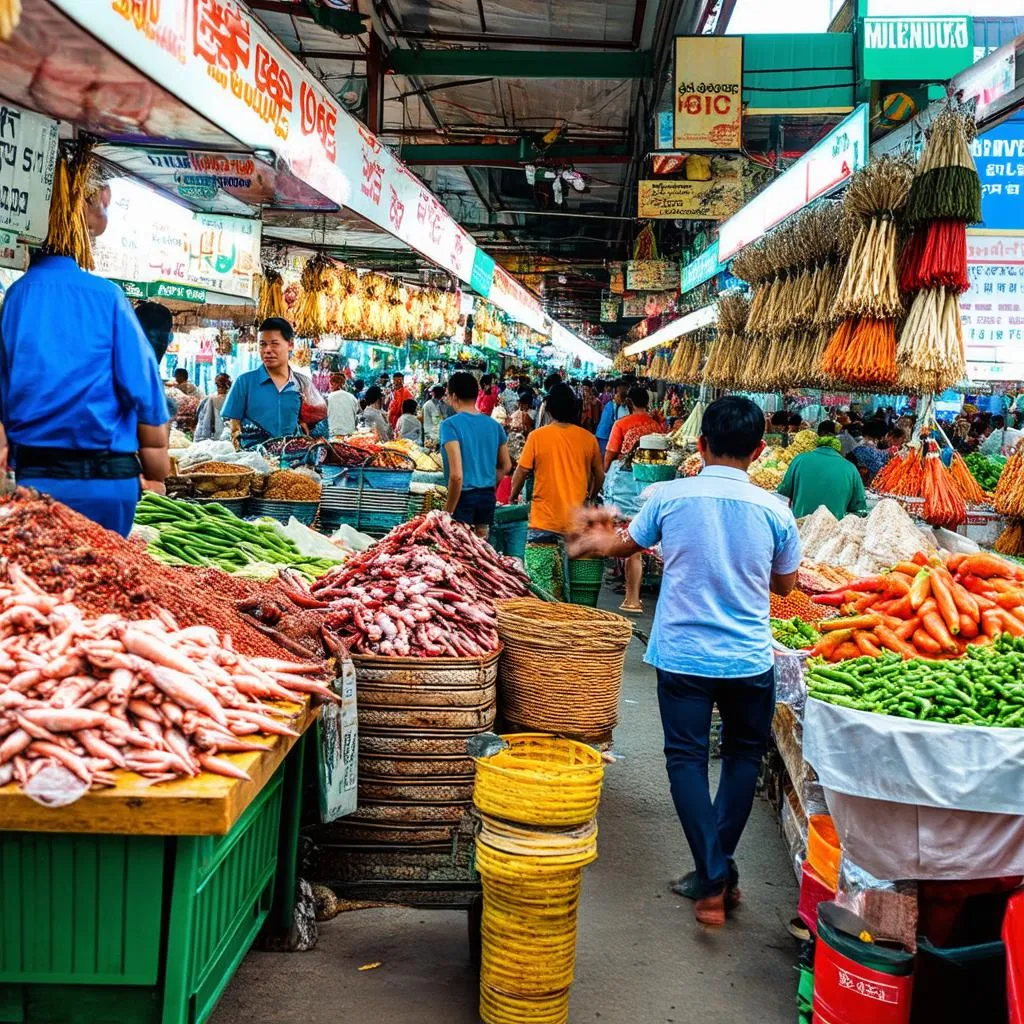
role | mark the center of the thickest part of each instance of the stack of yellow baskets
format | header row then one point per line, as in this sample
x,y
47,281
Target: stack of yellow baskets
x,y
537,800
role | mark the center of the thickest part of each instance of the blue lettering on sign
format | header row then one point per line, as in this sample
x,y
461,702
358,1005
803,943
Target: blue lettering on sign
x,y
999,155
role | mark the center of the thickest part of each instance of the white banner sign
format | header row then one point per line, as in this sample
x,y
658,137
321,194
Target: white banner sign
x,y
28,153
992,309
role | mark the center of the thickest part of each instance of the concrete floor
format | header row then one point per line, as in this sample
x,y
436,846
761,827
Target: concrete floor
x,y
641,957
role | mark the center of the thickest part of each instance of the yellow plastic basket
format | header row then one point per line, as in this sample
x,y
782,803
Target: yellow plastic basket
x,y
500,1008
540,780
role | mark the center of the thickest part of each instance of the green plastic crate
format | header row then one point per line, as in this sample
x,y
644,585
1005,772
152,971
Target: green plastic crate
x,y
106,929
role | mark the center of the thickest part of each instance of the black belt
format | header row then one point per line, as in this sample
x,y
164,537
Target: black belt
x,y
75,464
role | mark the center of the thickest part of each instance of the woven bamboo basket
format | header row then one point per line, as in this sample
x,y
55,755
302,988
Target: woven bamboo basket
x,y
536,842
561,667
500,1008
540,780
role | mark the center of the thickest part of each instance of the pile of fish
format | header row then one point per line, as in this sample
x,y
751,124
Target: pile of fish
x,y
424,591
92,695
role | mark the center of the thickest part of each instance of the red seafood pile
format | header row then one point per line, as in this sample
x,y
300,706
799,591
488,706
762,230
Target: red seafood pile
x,y
424,591
92,695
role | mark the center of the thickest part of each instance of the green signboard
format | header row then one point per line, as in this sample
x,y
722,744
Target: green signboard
x,y
137,290
482,274
928,49
702,268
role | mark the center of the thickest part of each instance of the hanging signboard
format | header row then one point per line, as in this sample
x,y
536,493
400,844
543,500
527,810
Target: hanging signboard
x,y
652,275
12,254
616,278
482,273
992,309
633,306
999,156
151,239
701,268
689,200
708,111
918,48
28,153
822,169
609,311
515,300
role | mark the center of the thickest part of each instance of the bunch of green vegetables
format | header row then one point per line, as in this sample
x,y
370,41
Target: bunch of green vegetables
x,y
984,687
795,632
986,469
211,535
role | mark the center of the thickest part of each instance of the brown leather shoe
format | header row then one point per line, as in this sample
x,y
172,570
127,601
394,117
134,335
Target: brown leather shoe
x,y
710,910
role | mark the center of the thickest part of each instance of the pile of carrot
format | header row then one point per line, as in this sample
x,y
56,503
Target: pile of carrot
x,y
862,351
902,475
920,473
925,608
944,503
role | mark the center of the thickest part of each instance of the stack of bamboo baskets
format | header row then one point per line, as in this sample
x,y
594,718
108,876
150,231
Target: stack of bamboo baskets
x,y
536,799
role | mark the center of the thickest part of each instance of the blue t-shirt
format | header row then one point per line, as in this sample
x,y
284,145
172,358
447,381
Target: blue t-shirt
x,y
76,371
609,414
480,438
721,537
255,400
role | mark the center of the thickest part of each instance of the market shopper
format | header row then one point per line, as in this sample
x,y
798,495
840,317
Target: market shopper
x,y
823,477
265,403
409,427
342,408
726,544
400,394
868,457
373,416
475,456
183,384
82,417
435,409
487,399
566,466
543,418
590,408
1002,440
627,431
209,418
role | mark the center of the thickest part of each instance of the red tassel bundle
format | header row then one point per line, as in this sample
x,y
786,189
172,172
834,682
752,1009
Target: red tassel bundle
x,y
935,257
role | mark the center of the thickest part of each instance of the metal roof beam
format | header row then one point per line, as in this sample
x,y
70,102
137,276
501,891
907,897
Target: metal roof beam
x,y
524,151
616,66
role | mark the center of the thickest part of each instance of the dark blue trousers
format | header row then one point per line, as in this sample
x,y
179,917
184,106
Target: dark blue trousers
x,y
746,706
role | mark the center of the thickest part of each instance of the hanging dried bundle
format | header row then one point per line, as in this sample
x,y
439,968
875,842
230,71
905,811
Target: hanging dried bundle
x,y
1009,497
68,230
946,183
877,193
10,15
931,348
936,257
862,351
315,281
1011,540
271,296
727,351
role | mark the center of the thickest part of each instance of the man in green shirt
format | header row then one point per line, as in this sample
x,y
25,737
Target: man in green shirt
x,y
823,477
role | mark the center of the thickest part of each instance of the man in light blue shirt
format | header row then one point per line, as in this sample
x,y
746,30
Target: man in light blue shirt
x,y
726,543
613,410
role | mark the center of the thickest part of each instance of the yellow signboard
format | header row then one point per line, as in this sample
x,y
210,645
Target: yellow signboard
x,y
708,110
689,200
652,275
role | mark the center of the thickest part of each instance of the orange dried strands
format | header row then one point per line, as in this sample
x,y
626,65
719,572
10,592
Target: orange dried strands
x,y
1009,498
862,351
943,503
962,477
902,475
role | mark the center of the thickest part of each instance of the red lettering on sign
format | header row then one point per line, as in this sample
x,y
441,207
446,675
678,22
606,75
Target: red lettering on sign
x,y
373,178
272,79
221,34
319,117
397,211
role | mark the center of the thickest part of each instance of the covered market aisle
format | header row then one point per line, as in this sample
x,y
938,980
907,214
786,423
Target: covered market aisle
x,y
640,955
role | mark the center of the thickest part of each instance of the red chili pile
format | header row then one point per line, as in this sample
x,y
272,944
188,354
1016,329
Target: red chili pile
x,y
63,551
425,590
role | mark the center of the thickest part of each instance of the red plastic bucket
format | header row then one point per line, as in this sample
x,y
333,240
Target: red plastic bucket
x,y
846,992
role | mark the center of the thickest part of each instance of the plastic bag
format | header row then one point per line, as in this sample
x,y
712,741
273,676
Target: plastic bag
x,y
351,538
890,908
314,405
312,544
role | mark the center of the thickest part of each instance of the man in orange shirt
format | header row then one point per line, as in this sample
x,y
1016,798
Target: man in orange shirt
x,y
400,394
627,432
566,465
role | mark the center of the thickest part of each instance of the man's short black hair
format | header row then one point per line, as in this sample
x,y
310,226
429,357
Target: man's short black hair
x,y
372,394
486,380
826,428
397,374
463,386
780,419
181,372
437,391
998,422
526,397
409,407
855,429
551,380
795,419
732,427
154,316
562,404
278,323
641,399
358,384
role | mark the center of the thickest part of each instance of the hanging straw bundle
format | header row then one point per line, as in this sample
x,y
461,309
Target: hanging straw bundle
x,y
10,15
931,348
946,184
315,281
271,297
726,352
68,231
877,193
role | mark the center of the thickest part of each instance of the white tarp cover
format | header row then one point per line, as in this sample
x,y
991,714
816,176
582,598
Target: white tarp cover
x,y
924,764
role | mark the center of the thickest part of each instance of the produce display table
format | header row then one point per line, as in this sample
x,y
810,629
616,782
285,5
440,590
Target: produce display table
x,y
136,904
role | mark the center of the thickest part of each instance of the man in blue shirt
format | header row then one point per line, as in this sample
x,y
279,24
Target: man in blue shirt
x,y
726,543
265,403
475,456
81,399
613,410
